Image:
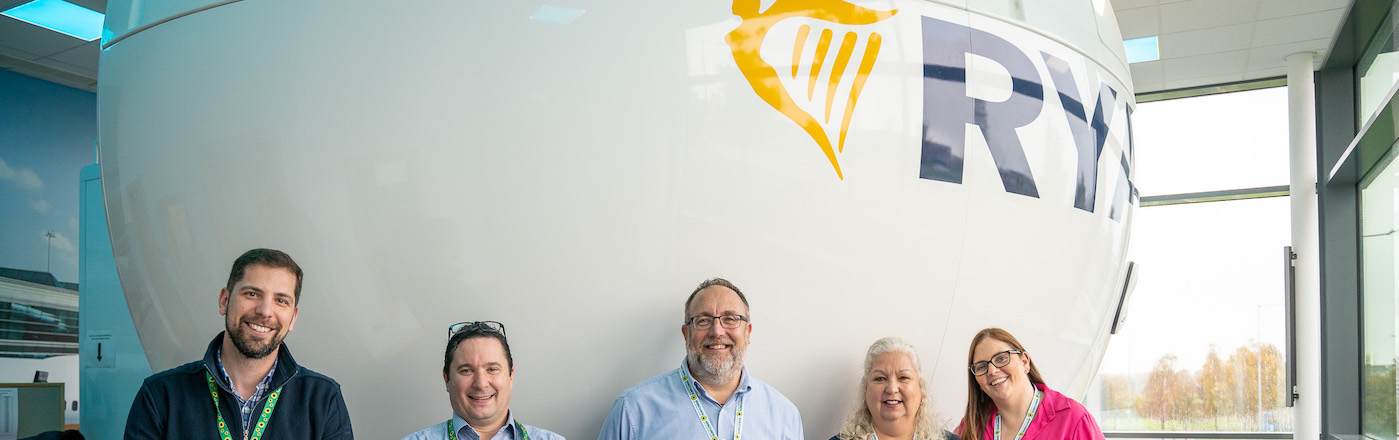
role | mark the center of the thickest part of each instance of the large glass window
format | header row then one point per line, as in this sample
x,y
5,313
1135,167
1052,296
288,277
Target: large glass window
x,y
1202,348
1379,193
1378,68
37,331
1211,143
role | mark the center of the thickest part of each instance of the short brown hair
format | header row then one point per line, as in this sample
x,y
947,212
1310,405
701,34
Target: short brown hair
x,y
265,257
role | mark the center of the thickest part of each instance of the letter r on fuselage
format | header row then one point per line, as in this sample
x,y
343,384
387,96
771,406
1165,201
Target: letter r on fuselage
x,y
947,108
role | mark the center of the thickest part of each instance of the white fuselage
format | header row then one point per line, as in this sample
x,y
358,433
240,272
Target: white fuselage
x,y
430,162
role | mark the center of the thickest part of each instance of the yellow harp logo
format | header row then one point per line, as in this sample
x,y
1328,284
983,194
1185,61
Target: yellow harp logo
x,y
746,41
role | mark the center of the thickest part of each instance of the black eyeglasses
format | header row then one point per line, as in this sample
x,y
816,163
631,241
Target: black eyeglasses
x,y
705,322
485,326
999,360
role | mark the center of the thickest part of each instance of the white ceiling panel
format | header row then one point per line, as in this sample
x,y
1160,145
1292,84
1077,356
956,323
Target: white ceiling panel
x,y
81,70
1265,73
18,52
1201,66
1144,22
1146,76
1203,14
1120,5
1206,41
1275,56
1285,8
83,57
1191,82
1203,42
1297,28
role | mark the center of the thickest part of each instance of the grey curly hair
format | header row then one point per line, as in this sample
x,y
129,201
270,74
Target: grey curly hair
x,y
859,424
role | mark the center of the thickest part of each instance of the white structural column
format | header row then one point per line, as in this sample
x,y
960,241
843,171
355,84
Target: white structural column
x,y
1301,124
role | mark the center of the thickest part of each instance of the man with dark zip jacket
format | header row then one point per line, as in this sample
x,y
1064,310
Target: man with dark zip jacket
x,y
248,386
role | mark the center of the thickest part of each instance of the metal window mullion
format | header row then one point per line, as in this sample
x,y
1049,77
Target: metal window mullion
x,y
1216,196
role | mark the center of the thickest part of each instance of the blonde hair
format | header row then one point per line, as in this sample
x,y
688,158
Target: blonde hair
x,y
978,403
859,423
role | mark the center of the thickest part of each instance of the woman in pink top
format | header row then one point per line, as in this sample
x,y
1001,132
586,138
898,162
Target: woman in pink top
x,y
1008,400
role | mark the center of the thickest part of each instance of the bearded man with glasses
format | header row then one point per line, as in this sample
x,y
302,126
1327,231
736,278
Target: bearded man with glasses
x,y
711,395
479,373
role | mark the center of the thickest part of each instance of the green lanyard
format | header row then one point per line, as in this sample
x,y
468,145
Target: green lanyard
x,y
704,420
1029,415
452,432
261,420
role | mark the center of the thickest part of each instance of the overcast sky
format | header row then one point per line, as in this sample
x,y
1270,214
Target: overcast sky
x,y
1210,273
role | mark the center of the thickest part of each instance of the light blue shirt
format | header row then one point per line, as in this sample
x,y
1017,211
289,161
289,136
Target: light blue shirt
x,y
464,431
660,408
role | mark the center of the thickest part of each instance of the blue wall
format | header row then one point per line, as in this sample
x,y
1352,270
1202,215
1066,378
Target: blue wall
x,y
109,383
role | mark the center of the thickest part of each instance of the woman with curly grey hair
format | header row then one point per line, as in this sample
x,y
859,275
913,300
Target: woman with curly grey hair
x,y
892,403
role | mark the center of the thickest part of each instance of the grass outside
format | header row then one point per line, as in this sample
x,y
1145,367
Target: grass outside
x,y
1128,420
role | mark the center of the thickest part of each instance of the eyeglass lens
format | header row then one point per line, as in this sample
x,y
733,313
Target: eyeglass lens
x,y
728,321
999,360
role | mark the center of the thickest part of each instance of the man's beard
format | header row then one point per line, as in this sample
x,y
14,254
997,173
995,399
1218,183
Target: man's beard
x,y
246,345
716,368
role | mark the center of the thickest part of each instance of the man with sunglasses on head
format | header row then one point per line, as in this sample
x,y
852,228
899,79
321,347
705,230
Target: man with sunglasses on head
x,y
479,373
247,386
711,395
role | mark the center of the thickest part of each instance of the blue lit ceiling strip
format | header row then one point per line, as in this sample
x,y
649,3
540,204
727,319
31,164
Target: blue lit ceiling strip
x,y
60,16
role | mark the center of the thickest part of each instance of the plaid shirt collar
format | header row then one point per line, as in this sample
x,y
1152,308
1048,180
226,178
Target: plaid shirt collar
x,y
246,408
